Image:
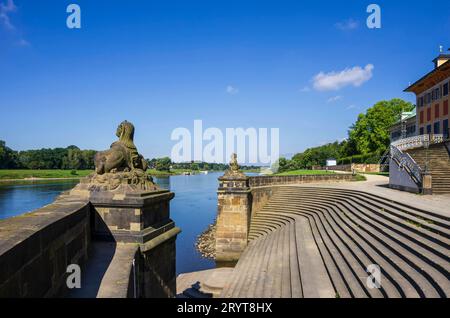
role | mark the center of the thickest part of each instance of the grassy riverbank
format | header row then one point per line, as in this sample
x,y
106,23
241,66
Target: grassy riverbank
x,y
23,174
12,174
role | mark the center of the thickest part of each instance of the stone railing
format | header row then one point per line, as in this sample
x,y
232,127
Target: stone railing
x,y
405,161
418,141
260,181
37,247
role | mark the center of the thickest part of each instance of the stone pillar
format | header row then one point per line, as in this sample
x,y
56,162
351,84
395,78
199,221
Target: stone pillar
x,y
234,210
127,215
427,184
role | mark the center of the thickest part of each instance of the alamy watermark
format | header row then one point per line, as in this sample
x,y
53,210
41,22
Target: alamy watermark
x,y
73,20
374,278
374,19
74,278
252,145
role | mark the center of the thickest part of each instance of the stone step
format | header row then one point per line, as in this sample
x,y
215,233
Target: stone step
x,y
387,210
426,238
317,242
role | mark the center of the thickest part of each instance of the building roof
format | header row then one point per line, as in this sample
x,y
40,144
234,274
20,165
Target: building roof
x,y
406,116
432,78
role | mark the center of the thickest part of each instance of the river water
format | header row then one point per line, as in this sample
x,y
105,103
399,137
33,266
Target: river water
x,y
193,209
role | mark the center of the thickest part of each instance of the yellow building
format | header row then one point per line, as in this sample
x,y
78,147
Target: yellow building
x,y
432,93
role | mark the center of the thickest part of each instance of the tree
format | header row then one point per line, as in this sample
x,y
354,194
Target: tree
x,y
8,157
370,133
163,164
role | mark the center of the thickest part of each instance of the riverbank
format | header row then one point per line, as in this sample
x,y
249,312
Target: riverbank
x,y
206,242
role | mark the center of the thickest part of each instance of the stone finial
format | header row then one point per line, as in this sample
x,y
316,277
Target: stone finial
x,y
234,170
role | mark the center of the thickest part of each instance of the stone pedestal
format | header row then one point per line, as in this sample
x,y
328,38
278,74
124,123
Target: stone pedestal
x,y
139,215
233,219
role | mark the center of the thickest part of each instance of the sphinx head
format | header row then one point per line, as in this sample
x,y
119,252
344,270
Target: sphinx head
x,y
125,131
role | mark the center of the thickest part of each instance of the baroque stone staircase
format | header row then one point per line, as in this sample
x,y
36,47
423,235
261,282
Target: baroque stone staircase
x,y
318,242
438,165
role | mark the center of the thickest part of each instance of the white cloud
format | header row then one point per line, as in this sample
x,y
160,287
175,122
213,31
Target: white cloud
x,y
5,9
355,76
334,99
232,90
347,25
350,106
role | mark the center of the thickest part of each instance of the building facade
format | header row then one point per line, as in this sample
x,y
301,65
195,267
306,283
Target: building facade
x,y
405,127
432,99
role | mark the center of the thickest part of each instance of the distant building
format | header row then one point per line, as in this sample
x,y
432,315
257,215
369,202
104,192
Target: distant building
x,y
432,93
405,127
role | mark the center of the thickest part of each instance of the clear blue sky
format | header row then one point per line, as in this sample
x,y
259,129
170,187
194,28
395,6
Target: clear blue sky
x,y
162,64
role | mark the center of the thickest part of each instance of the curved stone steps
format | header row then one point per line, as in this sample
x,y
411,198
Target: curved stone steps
x,y
422,265
317,242
419,222
411,236
353,282
376,249
385,212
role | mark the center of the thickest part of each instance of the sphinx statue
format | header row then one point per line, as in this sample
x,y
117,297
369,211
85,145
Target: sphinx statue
x,y
120,168
122,155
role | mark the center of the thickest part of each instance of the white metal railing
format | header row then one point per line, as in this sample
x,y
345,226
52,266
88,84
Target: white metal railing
x,y
418,141
406,162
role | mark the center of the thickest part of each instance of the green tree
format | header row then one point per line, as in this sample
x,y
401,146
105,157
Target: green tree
x,y
163,164
8,157
370,133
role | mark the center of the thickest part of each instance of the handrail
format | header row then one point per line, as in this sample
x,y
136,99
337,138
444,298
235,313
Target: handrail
x,y
406,162
418,141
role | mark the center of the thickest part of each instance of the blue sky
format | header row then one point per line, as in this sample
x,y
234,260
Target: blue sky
x,y
162,64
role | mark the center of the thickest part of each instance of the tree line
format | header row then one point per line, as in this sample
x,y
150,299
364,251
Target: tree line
x,y
166,164
368,139
69,158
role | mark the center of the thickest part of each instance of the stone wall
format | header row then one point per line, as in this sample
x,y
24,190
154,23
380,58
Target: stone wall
x,y
260,197
357,167
260,181
37,247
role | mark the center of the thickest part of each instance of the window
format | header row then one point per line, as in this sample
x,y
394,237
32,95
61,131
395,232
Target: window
x,y
445,113
437,128
445,128
436,111
445,89
429,114
410,130
420,101
428,98
428,129
421,131
421,117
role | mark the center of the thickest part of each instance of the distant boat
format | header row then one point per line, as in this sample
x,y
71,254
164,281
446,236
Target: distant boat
x,y
204,172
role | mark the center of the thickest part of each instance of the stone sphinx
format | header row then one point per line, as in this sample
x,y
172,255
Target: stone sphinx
x,y
122,155
120,168
234,169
